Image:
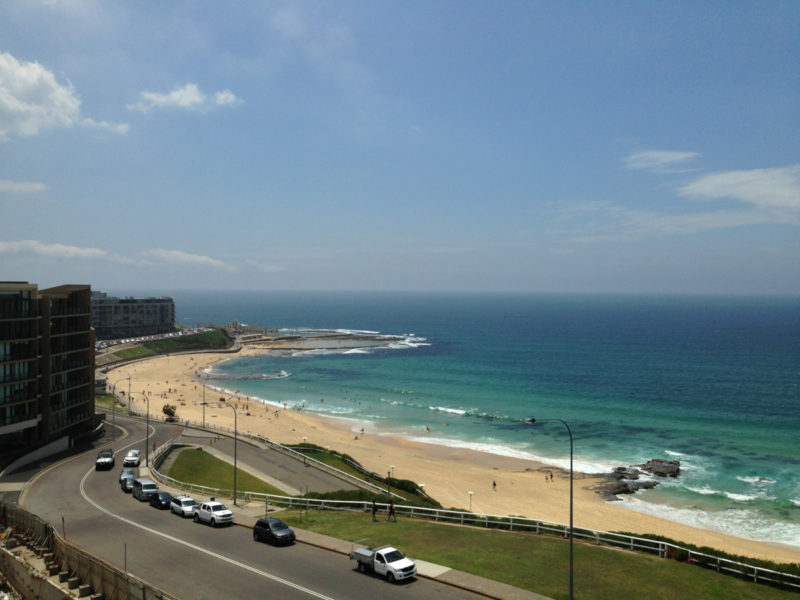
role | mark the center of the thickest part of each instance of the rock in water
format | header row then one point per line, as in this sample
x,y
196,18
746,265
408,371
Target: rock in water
x,y
662,468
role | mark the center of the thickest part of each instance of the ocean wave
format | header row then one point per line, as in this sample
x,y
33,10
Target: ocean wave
x,y
580,465
673,453
445,409
705,490
795,501
740,522
741,497
757,480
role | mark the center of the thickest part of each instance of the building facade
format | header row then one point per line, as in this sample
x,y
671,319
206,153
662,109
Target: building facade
x,y
46,364
114,318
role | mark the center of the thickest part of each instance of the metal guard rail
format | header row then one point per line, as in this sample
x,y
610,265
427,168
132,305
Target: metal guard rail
x,y
662,549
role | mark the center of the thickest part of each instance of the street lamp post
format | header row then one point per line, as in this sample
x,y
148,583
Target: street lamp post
x,y
235,444
470,501
147,429
569,431
204,405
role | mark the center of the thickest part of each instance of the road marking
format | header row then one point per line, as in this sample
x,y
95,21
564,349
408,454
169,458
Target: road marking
x,y
198,548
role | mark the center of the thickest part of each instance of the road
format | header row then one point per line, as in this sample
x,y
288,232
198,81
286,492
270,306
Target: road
x,y
192,561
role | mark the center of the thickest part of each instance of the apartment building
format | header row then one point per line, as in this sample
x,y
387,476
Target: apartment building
x,y
46,364
114,318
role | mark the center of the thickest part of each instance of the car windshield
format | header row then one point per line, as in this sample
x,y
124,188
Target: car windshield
x,y
393,556
218,508
279,525
188,503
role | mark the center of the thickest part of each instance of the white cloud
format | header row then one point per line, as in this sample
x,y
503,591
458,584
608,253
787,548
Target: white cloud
x,y
185,258
225,98
21,187
754,197
31,100
188,97
659,161
37,248
775,191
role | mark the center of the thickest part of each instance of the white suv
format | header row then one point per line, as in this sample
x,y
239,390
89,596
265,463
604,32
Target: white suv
x,y
212,512
183,506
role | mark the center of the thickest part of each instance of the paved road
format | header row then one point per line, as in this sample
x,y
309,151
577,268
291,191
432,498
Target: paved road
x,y
194,561
285,472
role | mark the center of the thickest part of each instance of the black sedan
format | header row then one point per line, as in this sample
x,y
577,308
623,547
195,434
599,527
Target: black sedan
x,y
274,531
161,500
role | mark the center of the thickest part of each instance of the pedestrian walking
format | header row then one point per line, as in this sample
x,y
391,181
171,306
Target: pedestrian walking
x,y
391,515
374,510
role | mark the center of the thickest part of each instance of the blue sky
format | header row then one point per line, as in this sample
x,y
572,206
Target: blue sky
x,y
633,147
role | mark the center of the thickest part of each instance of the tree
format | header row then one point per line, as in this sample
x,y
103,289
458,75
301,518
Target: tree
x,y
169,410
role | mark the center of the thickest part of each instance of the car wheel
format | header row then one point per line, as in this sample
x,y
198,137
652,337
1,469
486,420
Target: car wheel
x,y
213,522
361,567
196,518
390,577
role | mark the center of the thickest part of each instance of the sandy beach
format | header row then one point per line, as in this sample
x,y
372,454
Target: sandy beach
x,y
449,474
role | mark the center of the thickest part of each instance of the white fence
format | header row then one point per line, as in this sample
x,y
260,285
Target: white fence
x,y
662,549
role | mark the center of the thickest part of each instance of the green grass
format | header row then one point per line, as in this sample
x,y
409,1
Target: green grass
x,y
538,563
135,352
200,468
214,339
337,461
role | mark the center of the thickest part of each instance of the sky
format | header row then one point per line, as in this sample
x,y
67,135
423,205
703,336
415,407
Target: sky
x,y
436,145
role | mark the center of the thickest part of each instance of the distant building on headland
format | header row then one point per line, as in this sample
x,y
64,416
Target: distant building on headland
x,y
46,365
114,318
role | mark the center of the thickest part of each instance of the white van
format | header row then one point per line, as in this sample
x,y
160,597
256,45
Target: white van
x,y
143,489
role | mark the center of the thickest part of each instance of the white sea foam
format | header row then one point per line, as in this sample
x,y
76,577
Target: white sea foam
x,y
580,465
756,480
445,409
741,497
674,453
795,501
705,490
741,522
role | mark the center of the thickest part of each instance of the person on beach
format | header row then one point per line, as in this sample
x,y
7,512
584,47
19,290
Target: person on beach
x,y
494,486
391,514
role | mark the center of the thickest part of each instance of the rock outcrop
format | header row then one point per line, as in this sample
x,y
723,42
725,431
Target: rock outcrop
x,y
625,480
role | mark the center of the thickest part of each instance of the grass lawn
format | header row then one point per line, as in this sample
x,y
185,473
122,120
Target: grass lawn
x,y
134,352
538,563
199,467
214,339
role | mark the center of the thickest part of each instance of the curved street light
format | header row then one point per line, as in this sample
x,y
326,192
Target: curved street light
x,y
531,421
235,444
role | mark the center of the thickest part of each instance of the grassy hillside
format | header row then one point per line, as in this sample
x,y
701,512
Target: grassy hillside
x,y
216,339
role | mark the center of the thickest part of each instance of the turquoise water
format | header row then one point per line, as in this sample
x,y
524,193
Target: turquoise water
x,y
710,381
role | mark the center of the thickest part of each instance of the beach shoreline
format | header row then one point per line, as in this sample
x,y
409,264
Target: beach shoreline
x,y
448,473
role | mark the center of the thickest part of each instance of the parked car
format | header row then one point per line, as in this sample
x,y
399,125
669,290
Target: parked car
x,y
125,472
183,506
385,561
105,460
161,500
274,531
131,459
143,489
126,482
212,512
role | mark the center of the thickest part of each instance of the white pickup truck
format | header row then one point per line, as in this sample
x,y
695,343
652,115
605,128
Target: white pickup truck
x,y
212,512
385,561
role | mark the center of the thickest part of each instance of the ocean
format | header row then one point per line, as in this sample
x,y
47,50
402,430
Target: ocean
x,y
710,381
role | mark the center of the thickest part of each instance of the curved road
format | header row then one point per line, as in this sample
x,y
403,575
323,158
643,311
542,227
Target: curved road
x,y
194,561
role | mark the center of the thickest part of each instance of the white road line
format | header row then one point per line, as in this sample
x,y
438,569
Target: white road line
x,y
198,548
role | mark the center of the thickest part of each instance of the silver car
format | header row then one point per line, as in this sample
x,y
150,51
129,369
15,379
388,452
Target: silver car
x,y
183,505
131,459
